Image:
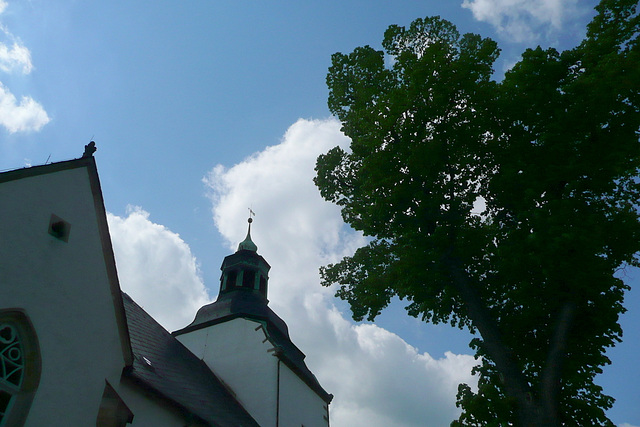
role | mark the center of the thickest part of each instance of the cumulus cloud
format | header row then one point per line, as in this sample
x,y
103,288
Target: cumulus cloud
x,y
524,20
28,115
16,57
377,378
156,268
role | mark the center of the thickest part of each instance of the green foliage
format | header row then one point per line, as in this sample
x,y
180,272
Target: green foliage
x,y
553,153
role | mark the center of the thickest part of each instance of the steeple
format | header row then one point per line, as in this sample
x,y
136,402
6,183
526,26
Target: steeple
x,y
243,290
245,271
242,302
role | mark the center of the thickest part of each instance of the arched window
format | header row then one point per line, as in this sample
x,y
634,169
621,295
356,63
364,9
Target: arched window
x,y
19,366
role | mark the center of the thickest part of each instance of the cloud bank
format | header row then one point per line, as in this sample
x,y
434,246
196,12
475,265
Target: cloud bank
x,y
524,20
156,268
377,378
26,115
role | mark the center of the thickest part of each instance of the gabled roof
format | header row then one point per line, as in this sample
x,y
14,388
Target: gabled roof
x,y
166,367
248,305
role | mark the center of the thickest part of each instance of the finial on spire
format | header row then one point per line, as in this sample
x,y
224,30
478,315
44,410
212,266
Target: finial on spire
x,y
250,220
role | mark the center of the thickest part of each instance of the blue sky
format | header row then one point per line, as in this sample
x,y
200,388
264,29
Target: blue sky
x,y
201,109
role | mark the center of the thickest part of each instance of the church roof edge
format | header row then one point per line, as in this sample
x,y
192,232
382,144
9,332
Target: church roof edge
x,y
26,172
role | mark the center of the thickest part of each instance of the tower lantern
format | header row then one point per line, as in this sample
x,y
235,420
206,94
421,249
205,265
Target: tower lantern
x,y
244,271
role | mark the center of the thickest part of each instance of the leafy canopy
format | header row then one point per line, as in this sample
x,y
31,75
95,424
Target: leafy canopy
x,y
502,207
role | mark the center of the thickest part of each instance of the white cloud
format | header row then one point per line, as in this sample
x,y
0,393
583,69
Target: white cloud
x,y
377,378
28,115
626,425
18,57
524,20
157,269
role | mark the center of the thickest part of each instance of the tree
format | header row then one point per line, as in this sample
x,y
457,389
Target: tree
x,y
552,152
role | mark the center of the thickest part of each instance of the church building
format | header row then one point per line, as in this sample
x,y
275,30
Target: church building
x,y
77,351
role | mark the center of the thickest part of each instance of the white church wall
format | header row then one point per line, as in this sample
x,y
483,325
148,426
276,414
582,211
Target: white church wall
x,y
64,289
238,352
149,410
299,404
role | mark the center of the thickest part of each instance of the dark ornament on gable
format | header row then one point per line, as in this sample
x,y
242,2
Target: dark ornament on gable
x,y
89,149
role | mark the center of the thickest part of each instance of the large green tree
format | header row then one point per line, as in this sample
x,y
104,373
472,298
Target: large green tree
x,y
502,207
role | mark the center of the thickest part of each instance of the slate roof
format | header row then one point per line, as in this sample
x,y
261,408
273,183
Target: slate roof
x,y
166,367
246,304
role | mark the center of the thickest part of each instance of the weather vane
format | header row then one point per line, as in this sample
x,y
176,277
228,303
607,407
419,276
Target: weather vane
x,y
251,213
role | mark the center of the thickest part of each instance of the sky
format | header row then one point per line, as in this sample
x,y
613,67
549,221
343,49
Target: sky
x,y
203,109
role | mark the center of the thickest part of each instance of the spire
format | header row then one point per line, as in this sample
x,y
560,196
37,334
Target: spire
x,y
245,272
247,243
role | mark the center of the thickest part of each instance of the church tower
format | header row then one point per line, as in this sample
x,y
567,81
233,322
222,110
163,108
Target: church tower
x,y
248,347
245,271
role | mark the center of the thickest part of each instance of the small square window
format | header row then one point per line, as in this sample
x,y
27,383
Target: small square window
x,y
59,228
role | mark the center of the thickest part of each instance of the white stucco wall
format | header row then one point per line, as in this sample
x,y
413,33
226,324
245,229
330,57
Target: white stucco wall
x,y
240,354
63,288
237,351
149,410
299,404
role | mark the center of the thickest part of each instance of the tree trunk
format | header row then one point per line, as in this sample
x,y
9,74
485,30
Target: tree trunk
x,y
542,412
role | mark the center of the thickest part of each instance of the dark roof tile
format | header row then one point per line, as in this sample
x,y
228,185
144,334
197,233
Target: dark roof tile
x,y
168,368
